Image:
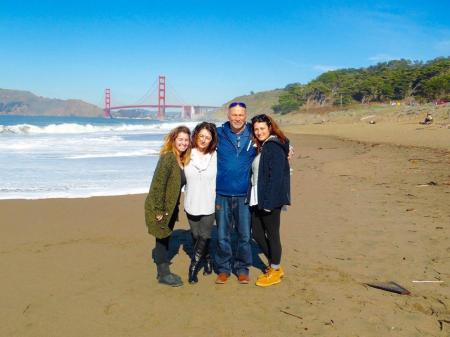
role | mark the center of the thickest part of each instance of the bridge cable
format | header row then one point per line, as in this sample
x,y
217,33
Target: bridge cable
x,y
148,94
181,100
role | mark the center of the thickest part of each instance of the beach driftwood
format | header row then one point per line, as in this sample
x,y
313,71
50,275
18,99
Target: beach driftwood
x,y
290,314
389,286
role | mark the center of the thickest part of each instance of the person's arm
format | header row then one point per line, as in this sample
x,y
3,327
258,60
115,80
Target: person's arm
x,y
158,187
291,152
274,159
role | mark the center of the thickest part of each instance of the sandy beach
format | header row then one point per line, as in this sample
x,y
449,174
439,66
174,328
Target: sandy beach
x,y
375,208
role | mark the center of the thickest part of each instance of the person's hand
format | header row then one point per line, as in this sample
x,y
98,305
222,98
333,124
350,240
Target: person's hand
x,y
291,152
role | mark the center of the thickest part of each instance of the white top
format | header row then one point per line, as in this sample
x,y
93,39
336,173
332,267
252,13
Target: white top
x,y
254,190
200,189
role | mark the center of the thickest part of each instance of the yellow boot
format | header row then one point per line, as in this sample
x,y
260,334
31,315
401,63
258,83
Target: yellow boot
x,y
269,279
268,269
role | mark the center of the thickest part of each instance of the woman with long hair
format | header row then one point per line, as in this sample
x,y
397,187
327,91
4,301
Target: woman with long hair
x,y
268,192
200,195
162,202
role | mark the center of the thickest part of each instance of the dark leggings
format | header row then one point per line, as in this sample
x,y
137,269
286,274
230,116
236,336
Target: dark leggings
x,y
201,225
161,250
266,232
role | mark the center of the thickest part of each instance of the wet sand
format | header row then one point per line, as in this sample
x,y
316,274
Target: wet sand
x,y
405,133
362,211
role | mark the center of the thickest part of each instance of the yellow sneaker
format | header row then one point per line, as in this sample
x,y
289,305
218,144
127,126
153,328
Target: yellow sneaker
x,y
269,279
268,269
281,271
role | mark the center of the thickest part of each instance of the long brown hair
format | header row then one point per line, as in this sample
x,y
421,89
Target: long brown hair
x,y
274,129
169,144
212,130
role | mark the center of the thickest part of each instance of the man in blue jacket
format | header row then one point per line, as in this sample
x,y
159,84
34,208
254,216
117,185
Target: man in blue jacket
x,y
235,154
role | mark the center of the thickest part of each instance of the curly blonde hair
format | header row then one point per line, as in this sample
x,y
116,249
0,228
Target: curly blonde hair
x,y
169,144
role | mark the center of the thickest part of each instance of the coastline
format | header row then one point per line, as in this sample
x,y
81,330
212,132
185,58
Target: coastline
x,y
361,212
401,133
391,125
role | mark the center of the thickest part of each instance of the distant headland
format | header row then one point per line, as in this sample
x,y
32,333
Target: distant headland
x,y
17,102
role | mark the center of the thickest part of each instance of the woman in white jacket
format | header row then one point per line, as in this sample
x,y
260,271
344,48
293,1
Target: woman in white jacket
x,y
200,195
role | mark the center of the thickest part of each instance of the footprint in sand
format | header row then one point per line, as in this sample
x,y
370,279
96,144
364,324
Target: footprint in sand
x,y
108,310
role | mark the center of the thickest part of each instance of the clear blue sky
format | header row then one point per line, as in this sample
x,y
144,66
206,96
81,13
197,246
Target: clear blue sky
x,y
210,51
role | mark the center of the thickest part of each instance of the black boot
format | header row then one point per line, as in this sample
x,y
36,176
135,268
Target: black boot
x,y
166,277
199,252
208,268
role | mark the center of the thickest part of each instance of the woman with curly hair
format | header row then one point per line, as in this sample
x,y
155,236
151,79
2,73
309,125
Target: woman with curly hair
x,y
162,202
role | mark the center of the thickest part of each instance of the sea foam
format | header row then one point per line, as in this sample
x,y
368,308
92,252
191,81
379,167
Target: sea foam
x,y
74,128
59,157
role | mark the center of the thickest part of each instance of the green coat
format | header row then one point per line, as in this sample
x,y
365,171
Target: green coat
x,y
163,195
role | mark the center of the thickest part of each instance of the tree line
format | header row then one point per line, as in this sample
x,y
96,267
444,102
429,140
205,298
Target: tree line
x,y
383,82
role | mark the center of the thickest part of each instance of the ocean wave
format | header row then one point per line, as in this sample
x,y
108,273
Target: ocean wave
x,y
42,194
74,128
89,143
140,153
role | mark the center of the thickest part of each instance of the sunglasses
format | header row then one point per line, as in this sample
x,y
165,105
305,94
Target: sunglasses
x,y
241,104
261,119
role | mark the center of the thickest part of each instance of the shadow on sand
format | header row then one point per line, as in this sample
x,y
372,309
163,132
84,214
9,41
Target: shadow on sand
x,y
182,240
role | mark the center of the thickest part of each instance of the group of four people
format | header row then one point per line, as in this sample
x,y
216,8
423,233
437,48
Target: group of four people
x,y
236,175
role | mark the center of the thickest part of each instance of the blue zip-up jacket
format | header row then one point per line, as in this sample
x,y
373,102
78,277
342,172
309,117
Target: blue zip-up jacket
x,y
235,154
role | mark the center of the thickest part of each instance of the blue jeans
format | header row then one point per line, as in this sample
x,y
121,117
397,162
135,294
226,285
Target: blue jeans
x,y
233,212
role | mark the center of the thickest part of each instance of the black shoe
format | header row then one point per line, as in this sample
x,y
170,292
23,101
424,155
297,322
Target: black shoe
x,y
199,252
193,271
166,277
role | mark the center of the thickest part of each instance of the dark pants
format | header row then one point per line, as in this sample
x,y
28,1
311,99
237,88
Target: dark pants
x,y
266,232
161,251
201,225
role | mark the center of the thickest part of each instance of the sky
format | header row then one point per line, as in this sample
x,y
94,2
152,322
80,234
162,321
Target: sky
x,y
209,51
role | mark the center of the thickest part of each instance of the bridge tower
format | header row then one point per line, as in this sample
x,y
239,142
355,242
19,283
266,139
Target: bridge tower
x,y
161,98
187,111
107,110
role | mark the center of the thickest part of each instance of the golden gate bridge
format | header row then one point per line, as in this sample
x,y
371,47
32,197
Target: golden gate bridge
x,y
188,111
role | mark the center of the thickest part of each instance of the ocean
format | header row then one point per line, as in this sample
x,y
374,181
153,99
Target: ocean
x,y
74,157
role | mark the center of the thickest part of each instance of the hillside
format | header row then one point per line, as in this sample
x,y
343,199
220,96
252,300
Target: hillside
x,y
260,102
397,80
396,89
17,102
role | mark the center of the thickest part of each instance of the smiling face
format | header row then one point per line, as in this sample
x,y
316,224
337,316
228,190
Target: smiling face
x,y
203,140
237,116
261,131
181,142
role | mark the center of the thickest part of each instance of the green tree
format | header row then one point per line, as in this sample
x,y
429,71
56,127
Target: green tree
x,y
393,80
438,86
